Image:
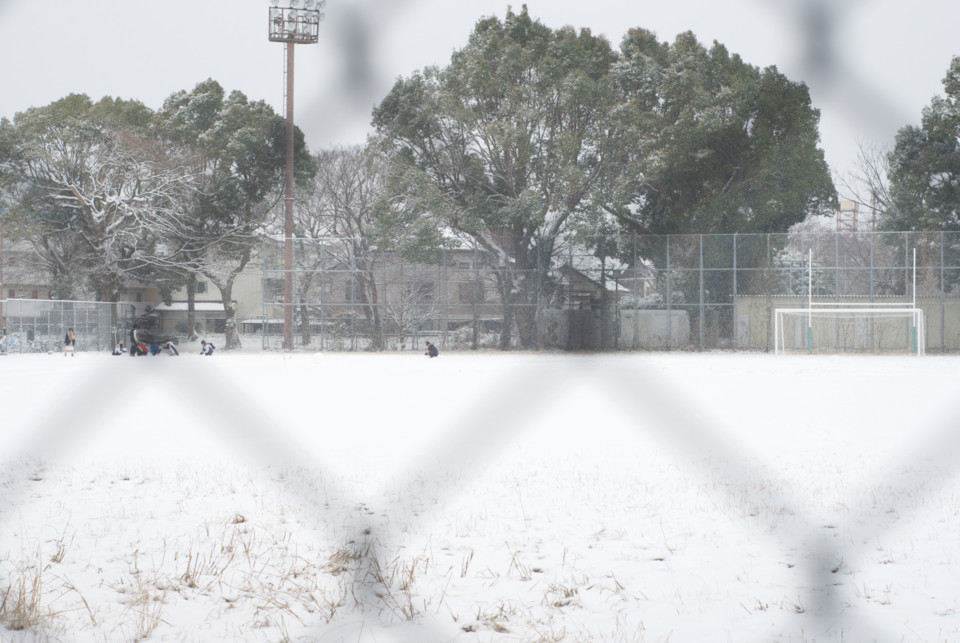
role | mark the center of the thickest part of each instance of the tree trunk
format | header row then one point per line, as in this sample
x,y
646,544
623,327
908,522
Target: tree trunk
x,y
192,309
232,341
475,338
305,337
304,283
526,316
106,288
525,308
504,286
525,312
372,311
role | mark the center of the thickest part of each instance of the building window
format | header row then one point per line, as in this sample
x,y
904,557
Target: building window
x,y
470,292
201,287
423,292
351,291
273,290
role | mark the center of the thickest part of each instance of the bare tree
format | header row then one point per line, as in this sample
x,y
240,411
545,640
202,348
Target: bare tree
x,y
868,184
339,219
409,303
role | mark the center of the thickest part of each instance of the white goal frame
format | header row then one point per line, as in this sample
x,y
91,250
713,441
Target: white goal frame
x,y
914,316
907,311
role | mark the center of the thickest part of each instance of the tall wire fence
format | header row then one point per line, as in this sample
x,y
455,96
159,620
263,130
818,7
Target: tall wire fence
x,y
39,325
627,292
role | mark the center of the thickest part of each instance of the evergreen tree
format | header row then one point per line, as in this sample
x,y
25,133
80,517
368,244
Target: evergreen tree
x,y
712,144
925,165
236,149
503,145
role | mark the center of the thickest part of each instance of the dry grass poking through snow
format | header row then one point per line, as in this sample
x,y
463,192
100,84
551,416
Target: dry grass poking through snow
x,y
148,561
22,605
620,498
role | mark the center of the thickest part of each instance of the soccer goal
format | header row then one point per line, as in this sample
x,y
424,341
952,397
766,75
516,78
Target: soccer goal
x,y
850,327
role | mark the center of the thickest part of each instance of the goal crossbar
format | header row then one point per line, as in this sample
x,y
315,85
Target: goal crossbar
x,y
859,304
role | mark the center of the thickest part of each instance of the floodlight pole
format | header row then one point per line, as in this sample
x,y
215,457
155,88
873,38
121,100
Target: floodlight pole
x,y
298,23
288,212
810,302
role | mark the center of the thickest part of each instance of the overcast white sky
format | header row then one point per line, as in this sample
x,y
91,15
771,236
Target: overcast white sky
x,y
871,65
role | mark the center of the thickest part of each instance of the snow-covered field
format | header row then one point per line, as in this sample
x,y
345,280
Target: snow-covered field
x,y
479,497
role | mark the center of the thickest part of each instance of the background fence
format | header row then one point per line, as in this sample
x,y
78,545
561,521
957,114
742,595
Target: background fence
x,y
39,325
615,292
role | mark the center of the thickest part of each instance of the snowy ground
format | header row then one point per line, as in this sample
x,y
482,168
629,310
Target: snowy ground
x,y
479,497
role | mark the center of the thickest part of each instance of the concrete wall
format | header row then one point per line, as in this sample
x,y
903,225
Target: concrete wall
x,y
654,329
572,330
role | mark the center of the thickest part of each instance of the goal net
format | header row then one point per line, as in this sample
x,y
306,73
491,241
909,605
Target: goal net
x,y
849,329
842,327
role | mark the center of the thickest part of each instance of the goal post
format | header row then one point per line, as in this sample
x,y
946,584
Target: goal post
x,y
850,329
842,327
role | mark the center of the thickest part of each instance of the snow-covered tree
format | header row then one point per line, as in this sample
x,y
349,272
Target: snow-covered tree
x,y
503,145
237,151
91,185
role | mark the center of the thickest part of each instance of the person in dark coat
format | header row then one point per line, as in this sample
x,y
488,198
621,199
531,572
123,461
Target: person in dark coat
x,y
70,343
431,350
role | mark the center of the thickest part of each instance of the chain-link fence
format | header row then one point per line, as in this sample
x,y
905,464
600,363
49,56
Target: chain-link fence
x,y
39,325
634,292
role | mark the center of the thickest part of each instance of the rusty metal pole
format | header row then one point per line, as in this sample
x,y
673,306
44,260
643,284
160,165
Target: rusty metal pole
x,y
288,213
291,25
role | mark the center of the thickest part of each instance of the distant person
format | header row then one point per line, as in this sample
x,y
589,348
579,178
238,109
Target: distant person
x,y
155,347
70,343
431,350
206,348
134,341
171,348
118,349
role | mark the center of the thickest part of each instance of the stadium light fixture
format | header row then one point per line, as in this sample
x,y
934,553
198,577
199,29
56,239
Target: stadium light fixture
x,y
295,23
